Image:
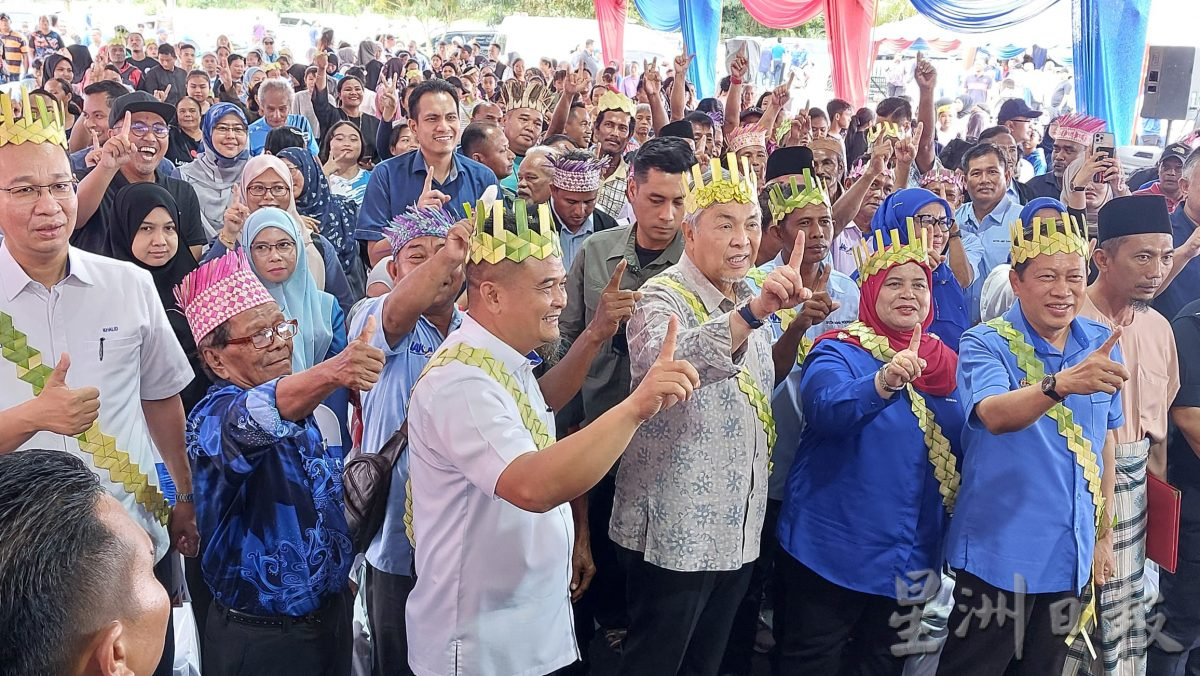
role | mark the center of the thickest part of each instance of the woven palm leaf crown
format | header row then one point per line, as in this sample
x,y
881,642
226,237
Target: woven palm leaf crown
x,y
611,100
875,254
492,242
1059,235
535,95
800,191
736,186
881,130
39,124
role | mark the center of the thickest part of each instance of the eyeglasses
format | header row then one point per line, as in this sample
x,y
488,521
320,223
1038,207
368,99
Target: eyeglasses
x,y
230,130
258,190
28,194
927,221
268,42
264,249
263,339
140,129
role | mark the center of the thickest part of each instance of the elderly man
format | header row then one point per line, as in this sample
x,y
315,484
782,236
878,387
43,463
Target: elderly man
x,y
275,100
535,175
276,552
691,494
573,200
65,537
486,111
1133,257
494,575
80,373
1072,136
829,163
525,106
1041,389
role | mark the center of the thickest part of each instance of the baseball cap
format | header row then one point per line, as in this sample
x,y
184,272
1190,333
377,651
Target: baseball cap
x,y
1179,151
4,15
140,102
1014,108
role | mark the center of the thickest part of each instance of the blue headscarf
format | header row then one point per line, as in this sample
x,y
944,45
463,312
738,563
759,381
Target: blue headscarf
x,y
298,296
337,215
898,207
211,174
1037,204
211,116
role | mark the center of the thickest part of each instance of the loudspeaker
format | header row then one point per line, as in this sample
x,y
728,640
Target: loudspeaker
x,y
1168,83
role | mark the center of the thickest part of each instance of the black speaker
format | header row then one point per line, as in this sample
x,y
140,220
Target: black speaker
x,y
1168,82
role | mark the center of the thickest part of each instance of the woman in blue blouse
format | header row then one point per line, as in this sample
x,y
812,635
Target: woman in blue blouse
x,y
874,479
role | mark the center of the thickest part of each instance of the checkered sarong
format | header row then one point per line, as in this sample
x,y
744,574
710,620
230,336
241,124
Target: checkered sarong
x,y
1122,600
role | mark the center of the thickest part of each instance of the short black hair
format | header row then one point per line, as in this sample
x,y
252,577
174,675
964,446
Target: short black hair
x,y
284,137
982,150
110,89
696,117
167,49
558,138
668,154
837,107
183,46
58,561
197,73
889,107
817,113
601,114
724,83
395,135
429,87
233,56
992,132
475,135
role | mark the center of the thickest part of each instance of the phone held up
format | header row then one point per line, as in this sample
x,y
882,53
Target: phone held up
x,y
1103,142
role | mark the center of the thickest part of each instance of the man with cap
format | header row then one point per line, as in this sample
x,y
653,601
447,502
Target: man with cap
x,y
276,546
1072,136
1133,257
133,152
1018,117
1040,387
573,201
829,164
489,483
1169,168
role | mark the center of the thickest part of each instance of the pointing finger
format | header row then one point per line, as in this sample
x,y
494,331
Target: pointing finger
x,y
920,129
95,139
797,256
1109,344
823,278
428,181
667,353
614,282
167,91
915,343
126,124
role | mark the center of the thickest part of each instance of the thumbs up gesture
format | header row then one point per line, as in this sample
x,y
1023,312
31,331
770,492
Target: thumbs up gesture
x,y
906,365
616,305
1097,373
64,410
359,365
783,287
668,382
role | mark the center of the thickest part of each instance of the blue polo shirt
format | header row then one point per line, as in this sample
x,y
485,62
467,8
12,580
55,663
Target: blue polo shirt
x,y
398,182
862,506
259,129
1024,506
1185,288
384,410
993,233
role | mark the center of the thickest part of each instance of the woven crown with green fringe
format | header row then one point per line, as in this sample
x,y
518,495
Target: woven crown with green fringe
x,y
492,242
1061,235
872,255
740,186
784,198
39,124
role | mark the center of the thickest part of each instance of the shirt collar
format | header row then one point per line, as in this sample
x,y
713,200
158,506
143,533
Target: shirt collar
x,y
710,295
481,337
618,175
588,227
628,249
1076,340
419,166
14,280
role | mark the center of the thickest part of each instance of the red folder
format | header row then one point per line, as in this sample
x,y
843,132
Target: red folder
x,y
1162,522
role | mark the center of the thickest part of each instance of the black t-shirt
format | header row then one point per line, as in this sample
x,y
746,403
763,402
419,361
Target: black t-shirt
x,y
144,64
646,256
157,79
1183,467
182,148
93,235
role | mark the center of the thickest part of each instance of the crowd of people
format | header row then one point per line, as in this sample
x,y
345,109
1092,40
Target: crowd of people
x,y
408,364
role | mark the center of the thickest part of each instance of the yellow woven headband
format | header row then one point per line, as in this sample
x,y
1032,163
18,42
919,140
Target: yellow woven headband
x,y
1060,235
492,242
740,186
39,124
784,198
873,256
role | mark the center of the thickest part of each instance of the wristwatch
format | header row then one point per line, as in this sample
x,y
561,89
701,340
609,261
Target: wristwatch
x,y
748,316
1048,385
183,498
1078,188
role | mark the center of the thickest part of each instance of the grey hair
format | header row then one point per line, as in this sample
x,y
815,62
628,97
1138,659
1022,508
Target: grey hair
x,y
274,84
1190,166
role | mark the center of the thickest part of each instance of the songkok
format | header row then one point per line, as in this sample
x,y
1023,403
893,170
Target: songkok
x,y
737,186
746,136
941,176
788,161
678,129
1133,215
218,290
492,242
535,95
39,124
611,100
418,222
577,174
1077,128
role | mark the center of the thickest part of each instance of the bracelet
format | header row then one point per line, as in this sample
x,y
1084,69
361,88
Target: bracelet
x,y
228,244
734,80
955,235
883,381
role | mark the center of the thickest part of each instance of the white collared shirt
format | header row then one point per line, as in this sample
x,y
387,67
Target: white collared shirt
x,y
106,314
492,594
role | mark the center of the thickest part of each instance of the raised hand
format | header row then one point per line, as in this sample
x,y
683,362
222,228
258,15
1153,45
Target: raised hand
x,y
681,64
800,131
117,151
162,94
782,94
358,366
64,410
577,83
458,240
906,148
616,305
430,197
783,287
881,155
92,158
1097,373
924,73
906,365
235,215
651,78
668,382
739,65
820,305
386,101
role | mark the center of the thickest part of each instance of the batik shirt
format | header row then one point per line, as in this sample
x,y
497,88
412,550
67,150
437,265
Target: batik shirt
x,y
268,504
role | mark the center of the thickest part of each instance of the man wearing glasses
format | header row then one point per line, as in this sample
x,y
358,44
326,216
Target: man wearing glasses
x,y
136,142
269,54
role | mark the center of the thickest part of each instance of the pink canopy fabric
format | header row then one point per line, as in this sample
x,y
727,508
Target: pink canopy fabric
x,y
611,16
783,13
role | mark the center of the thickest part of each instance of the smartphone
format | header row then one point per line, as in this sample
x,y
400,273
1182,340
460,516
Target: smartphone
x,y
1103,142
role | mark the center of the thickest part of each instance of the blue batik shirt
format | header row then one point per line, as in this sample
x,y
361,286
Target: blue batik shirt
x,y
269,504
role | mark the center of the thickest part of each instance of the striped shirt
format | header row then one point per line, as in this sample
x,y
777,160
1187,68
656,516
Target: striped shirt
x,y
15,50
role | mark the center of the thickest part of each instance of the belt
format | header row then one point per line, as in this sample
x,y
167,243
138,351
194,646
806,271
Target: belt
x,y
282,621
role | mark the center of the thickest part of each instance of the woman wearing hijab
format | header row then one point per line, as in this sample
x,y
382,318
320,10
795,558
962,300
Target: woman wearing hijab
x,y
267,182
336,216
215,170
57,66
875,476
368,60
187,137
1082,193
954,255
81,63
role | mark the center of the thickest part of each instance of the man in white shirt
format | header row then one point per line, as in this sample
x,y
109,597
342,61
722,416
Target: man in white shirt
x,y
493,576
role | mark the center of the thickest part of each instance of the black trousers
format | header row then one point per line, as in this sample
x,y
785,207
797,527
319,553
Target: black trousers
x,y
678,621
1177,652
978,650
387,596
740,650
823,629
164,572
603,603
321,648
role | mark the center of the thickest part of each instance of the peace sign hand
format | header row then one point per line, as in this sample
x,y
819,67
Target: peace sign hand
x,y
820,305
652,79
668,382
